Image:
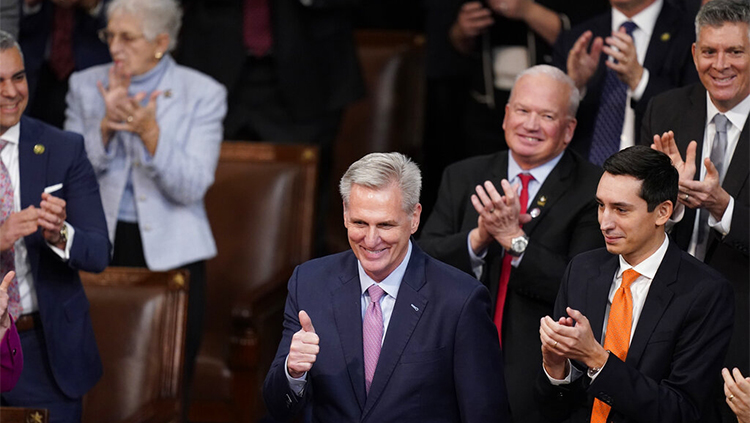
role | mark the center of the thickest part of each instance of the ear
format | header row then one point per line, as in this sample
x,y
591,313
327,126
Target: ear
x,y
570,128
346,219
415,218
695,60
162,42
663,212
505,116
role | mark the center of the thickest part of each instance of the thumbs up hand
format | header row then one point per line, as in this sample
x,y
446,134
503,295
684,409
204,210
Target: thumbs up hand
x,y
304,348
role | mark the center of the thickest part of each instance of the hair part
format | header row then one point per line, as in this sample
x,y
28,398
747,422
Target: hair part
x,y
653,168
7,42
574,94
156,16
382,170
716,13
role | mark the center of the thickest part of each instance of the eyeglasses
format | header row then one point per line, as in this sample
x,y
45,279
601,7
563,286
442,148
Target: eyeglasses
x,y
108,37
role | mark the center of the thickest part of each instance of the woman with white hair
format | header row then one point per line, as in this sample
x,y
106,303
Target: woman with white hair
x,y
153,132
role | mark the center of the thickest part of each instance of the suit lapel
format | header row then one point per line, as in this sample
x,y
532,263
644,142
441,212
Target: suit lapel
x,y
347,313
659,296
409,307
553,189
598,296
33,174
659,45
737,173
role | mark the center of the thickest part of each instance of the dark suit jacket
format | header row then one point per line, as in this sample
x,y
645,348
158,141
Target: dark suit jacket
x,y
684,112
63,307
668,60
440,360
313,50
36,30
567,225
676,351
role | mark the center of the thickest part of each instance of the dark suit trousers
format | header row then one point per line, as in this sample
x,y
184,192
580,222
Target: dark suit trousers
x,y
37,387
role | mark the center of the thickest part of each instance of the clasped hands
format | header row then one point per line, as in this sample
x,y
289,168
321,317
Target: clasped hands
x,y
50,216
125,113
707,193
582,64
569,338
499,215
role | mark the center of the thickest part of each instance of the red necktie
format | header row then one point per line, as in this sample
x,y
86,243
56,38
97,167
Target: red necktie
x,y
61,59
617,339
257,27
8,257
502,289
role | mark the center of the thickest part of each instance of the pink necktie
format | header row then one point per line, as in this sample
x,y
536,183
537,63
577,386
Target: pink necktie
x,y
502,289
7,258
372,333
256,25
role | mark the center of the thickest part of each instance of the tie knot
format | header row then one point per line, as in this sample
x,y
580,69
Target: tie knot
x,y
525,178
629,26
721,122
628,277
375,292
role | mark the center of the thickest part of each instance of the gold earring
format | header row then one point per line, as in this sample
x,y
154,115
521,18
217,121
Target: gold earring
x,y
158,55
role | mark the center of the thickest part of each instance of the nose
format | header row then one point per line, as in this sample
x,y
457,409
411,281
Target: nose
x,y
8,88
372,237
532,122
605,220
721,61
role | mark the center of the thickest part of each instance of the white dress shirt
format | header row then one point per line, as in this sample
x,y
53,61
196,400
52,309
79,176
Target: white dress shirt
x,y
639,289
9,156
645,21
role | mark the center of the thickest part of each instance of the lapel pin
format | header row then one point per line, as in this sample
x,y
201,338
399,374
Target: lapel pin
x,y
415,307
535,212
168,93
38,149
542,201
666,36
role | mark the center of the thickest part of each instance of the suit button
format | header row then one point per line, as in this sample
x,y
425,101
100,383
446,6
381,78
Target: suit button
x,y
147,228
141,198
13,352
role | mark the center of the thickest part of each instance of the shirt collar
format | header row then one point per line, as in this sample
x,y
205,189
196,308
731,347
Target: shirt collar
x,y
646,19
392,282
737,115
539,173
649,266
13,134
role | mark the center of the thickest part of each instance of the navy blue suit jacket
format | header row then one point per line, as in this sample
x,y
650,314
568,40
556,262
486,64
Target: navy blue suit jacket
x,y
63,306
675,356
440,360
668,60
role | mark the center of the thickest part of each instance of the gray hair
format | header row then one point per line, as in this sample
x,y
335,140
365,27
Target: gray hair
x,y
7,42
381,170
716,13
157,17
574,94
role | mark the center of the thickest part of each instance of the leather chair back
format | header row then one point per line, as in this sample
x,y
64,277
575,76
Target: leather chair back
x,y
23,415
139,319
261,209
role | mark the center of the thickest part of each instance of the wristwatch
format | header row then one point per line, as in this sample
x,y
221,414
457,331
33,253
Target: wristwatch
x,y
593,371
64,234
518,245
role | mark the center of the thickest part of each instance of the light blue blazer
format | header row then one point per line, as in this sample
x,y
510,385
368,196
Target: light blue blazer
x,y
169,186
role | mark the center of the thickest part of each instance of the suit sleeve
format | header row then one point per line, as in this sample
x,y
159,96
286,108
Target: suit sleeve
x,y
281,401
478,365
184,169
443,236
91,247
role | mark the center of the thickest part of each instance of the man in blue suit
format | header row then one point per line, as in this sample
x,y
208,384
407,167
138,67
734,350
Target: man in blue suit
x,y
56,228
385,333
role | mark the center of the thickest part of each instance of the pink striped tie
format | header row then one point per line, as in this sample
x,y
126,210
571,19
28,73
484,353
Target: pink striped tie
x,y
8,258
372,333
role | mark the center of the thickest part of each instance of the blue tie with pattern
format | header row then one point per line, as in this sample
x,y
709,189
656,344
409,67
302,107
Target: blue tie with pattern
x,y
609,119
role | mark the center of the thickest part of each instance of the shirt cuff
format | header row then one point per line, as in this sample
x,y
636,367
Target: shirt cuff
x,y
65,254
572,375
476,260
641,87
297,385
724,225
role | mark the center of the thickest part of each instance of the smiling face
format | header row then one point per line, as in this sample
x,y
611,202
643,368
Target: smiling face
x,y
131,52
537,126
379,228
14,91
628,227
722,58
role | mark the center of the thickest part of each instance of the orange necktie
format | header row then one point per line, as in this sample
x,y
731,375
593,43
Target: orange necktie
x,y
617,338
